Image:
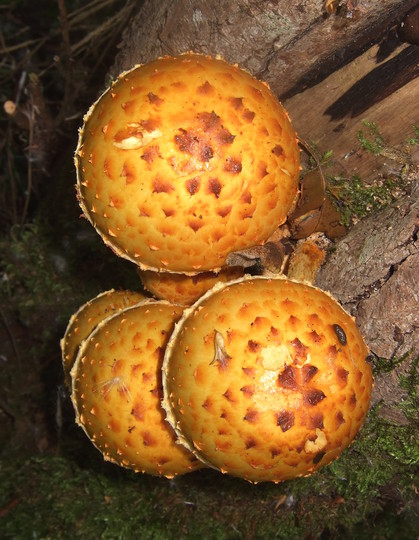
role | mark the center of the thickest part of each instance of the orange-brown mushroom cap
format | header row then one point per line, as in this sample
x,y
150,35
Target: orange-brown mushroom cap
x,y
117,391
87,317
182,289
266,379
184,160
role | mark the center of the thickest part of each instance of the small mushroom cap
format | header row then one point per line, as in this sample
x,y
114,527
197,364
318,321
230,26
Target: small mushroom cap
x,y
182,289
184,160
117,391
87,317
266,379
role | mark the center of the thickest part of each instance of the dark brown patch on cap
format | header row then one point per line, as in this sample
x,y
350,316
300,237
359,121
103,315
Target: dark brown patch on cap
x,y
138,412
262,170
339,418
251,415
308,372
129,106
150,154
206,153
207,404
223,212
232,165
168,212
315,337
246,197
256,93
253,346
288,379
205,89
285,420
342,374
195,224
332,352
162,186
248,115
228,394
222,445
214,186
236,102
248,391
250,443
185,141
313,396
277,150
211,124
150,124
300,349
193,185
250,372
275,452
293,320
154,100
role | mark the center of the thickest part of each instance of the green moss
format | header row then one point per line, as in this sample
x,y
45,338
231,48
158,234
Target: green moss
x,y
354,197
375,145
356,200
414,141
369,492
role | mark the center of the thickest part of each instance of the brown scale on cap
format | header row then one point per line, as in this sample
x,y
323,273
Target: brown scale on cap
x,y
181,137
117,389
294,384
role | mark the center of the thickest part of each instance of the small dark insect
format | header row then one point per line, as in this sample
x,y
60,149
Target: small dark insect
x,y
340,334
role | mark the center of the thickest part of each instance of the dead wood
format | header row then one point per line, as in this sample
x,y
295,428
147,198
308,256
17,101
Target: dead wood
x,y
290,45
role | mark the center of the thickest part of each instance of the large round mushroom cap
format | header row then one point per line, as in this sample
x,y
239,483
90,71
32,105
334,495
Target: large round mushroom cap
x,y
184,160
117,391
266,379
87,317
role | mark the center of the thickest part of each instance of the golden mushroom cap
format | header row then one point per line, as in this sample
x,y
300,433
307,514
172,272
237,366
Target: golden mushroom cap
x,y
117,390
182,289
87,317
266,379
184,160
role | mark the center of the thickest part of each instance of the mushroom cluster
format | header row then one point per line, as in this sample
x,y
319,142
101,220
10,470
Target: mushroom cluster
x,y
182,164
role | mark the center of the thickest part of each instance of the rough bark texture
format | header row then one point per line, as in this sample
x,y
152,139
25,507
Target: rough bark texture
x,y
289,44
373,272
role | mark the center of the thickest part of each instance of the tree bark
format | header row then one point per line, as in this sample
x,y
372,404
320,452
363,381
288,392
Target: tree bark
x,y
289,44
373,272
